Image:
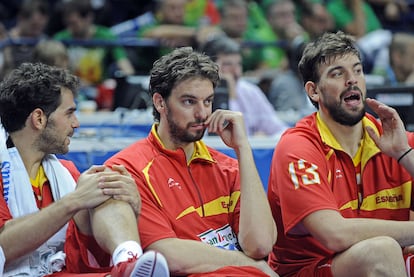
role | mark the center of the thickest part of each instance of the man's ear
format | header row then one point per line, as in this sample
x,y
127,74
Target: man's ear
x,y
37,119
158,101
312,91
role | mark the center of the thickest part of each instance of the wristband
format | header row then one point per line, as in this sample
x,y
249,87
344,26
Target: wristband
x,y
403,155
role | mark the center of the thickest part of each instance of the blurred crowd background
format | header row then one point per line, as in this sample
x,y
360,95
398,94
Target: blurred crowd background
x,y
107,43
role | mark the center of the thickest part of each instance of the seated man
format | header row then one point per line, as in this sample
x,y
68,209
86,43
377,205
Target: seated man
x,y
40,194
205,212
342,195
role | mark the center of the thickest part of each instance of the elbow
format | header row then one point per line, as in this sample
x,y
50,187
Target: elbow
x,y
260,247
258,252
337,242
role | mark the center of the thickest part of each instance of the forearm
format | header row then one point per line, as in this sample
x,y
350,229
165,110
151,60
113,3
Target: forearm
x,y
187,256
22,235
338,234
401,231
257,229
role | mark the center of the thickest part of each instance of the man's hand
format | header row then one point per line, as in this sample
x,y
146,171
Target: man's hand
x,y
393,141
229,125
124,188
99,183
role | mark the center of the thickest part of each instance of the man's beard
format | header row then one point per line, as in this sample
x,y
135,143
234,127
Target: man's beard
x,y
49,143
181,135
340,115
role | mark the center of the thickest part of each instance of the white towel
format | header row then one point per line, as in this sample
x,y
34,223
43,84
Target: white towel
x,y
18,193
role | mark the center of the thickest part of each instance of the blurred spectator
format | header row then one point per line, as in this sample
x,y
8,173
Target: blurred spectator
x,y
170,27
357,18
281,15
244,22
177,23
107,12
31,21
244,96
401,54
91,64
51,52
354,17
315,19
286,92
395,15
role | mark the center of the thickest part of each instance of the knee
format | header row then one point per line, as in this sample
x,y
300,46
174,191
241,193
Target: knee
x,y
380,254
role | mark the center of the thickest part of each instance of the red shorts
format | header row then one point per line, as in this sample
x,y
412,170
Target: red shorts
x,y
83,254
321,268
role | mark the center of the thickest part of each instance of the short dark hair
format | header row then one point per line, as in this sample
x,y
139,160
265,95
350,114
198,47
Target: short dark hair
x,y
179,65
31,86
220,45
322,50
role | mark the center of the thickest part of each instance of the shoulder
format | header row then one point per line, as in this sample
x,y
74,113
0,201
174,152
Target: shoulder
x,y
305,131
138,152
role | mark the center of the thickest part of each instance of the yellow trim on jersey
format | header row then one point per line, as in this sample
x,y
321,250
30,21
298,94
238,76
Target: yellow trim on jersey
x,y
221,205
40,178
370,148
145,172
391,199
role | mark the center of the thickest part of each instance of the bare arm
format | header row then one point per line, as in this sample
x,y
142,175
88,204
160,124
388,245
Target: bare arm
x,y
257,229
24,234
187,256
338,233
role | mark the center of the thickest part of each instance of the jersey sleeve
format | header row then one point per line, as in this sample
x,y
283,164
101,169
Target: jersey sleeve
x,y
300,179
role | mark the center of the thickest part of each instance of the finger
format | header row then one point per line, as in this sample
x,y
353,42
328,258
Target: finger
x,y
121,169
95,169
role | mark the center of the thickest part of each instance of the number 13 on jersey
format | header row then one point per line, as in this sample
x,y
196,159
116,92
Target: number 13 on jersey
x,y
303,172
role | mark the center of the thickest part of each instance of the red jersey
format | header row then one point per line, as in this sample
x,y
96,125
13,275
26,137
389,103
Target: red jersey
x,y
46,193
196,200
310,172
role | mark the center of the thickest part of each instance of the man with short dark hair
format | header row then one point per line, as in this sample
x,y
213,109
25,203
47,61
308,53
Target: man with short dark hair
x,y
206,212
43,198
